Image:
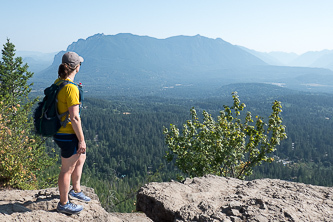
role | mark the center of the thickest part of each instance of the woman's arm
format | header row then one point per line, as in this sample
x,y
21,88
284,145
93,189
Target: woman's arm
x,y
77,127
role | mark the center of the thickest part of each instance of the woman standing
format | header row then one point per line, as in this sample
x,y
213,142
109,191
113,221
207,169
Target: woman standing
x,y
70,137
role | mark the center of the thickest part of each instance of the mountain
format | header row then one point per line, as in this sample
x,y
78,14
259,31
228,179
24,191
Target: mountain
x,y
141,65
37,61
273,58
325,60
284,57
320,59
127,52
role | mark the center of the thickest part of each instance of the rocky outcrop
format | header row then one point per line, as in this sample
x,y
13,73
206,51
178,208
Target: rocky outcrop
x,y
40,205
213,198
209,198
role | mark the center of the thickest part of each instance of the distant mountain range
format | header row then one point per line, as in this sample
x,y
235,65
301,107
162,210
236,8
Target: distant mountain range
x,y
318,59
37,61
323,59
140,65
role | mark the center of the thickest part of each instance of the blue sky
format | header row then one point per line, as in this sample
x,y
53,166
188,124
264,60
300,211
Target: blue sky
x,y
263,25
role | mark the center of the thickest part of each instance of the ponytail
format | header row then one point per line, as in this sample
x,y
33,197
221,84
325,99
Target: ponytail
x,y
64,71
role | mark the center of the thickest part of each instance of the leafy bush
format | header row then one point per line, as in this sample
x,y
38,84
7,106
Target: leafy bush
x,y
226,147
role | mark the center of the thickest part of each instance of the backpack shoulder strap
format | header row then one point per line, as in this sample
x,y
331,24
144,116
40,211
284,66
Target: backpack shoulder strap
x,y
61,84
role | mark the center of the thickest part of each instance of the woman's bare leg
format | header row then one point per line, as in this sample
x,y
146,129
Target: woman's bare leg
x,y
76,175
67,168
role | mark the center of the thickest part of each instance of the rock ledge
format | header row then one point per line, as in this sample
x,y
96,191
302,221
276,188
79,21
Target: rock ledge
x,y
204,199
213,198
40,205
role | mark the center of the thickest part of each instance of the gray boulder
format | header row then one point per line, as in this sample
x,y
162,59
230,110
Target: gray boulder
x,y
213,198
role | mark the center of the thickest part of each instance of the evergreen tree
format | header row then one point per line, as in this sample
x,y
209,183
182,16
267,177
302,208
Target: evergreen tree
x,y
22,153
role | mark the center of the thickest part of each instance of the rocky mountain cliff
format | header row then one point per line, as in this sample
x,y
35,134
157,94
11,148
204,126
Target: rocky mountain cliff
x,y
205,199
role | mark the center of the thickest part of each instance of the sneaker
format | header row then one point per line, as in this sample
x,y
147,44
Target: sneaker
x,y
69,208
79,195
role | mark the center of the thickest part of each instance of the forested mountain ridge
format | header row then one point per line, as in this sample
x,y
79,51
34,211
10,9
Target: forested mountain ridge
x,y
126,64
190,52
127,53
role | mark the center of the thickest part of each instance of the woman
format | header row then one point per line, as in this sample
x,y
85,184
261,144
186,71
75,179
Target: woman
x,y
70,137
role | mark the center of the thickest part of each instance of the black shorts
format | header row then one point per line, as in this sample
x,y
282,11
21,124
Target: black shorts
x,y
68,144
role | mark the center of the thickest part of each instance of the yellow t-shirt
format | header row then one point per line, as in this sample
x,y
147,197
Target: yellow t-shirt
x,y
68,96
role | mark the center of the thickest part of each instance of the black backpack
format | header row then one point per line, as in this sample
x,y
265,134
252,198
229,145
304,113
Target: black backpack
x,y
47,120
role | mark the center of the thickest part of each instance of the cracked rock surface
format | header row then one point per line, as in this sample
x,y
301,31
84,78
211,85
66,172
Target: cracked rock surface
x,y
209,198
212,198
40,205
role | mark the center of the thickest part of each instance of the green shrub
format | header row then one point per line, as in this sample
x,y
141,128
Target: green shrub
x,y
227,147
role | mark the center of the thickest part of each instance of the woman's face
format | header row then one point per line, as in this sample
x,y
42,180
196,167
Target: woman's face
x,y
78,68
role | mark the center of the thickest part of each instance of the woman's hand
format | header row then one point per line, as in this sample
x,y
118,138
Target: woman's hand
x,y
82,147
76,124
